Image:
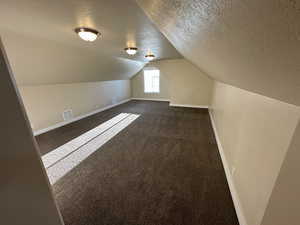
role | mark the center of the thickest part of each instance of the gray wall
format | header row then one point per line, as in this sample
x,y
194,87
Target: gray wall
x,y
283,205
181,83
25,193
45,103
255,132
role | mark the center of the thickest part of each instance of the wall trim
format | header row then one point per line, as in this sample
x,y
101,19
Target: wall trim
x,y
152,99
57,125
235,197
189,106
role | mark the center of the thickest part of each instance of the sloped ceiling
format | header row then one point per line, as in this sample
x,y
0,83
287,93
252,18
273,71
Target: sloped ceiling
x,y
251,44
43,48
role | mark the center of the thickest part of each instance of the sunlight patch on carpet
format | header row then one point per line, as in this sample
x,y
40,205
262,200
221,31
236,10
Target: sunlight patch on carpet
x,y
63,159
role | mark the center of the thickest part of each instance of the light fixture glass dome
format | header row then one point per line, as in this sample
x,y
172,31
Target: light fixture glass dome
x,y
131,50
150,57
87,34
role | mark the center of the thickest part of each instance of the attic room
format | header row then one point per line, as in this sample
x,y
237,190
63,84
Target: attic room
x,y
150,112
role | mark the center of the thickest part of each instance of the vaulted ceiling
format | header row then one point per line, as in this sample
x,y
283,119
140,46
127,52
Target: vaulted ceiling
x,y
44,49
251,44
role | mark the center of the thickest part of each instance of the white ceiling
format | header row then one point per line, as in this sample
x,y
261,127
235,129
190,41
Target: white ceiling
x,y
39,35
251,44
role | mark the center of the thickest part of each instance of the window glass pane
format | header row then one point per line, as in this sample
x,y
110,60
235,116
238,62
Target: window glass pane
x,y
148,81
151,81
155,81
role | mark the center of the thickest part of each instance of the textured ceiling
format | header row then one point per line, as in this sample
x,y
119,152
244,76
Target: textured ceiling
x,y
43,48
251,44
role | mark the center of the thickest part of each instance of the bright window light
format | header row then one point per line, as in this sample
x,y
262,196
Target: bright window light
x,y
65,158
151,81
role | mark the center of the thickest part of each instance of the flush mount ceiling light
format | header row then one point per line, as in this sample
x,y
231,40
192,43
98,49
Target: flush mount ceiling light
x,y
131,50
150,56
87,34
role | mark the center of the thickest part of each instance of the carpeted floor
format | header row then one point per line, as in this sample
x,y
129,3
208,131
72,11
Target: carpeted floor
x,y
163,169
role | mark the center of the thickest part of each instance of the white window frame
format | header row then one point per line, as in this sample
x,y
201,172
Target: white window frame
x,y
151,81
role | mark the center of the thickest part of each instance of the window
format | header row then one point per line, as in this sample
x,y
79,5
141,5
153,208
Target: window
x,y
151,81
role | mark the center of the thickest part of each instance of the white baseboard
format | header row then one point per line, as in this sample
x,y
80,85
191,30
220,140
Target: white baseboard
x,y
44,130
235,197
190,106
152,99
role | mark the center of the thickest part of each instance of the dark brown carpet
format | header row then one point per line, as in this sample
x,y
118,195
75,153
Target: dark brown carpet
x,y
163,169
